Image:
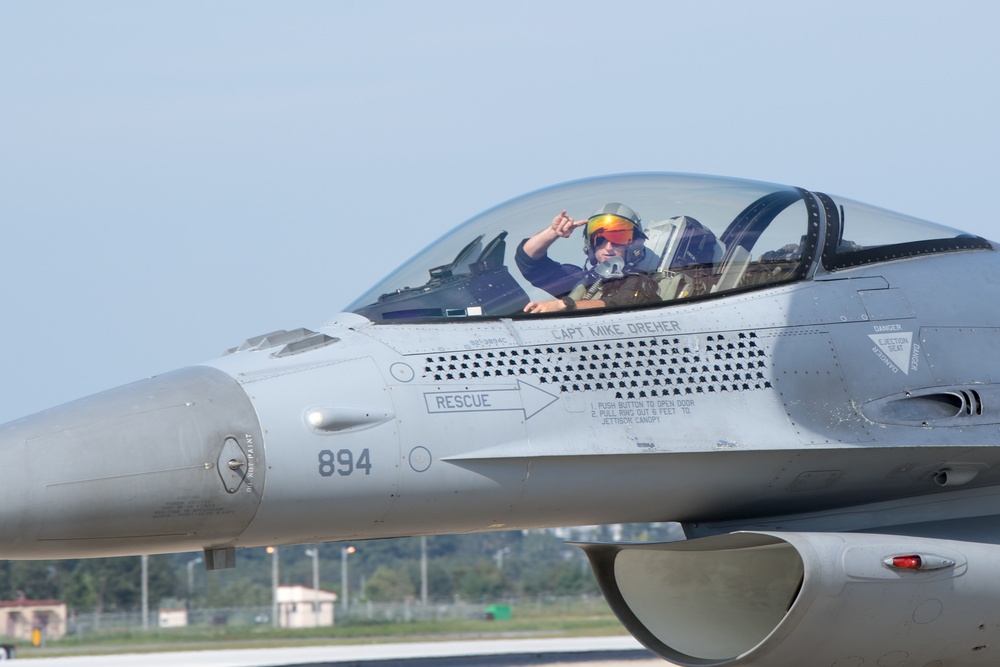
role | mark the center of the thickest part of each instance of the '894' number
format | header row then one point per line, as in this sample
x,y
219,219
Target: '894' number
x,y
343,462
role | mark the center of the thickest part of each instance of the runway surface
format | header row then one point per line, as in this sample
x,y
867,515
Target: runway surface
x,y
561,652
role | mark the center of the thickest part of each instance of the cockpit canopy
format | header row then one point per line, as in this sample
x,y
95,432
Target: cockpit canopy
x,y
704,237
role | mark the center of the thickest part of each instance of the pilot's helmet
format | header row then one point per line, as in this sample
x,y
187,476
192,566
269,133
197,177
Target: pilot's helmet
x,y
616,223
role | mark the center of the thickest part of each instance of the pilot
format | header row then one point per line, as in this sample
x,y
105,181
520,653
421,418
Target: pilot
x,y
614,230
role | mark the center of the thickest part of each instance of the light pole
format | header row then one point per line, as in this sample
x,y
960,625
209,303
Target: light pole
x,y
190,566
145,592
423,570
275,621
344,553
314,553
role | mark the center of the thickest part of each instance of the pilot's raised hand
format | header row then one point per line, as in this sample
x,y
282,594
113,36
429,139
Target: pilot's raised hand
x,y
563,225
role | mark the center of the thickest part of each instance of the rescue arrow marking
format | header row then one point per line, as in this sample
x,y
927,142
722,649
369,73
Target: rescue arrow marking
x,y
526,397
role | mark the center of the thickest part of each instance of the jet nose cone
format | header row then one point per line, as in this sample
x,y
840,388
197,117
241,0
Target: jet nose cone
x,y
171,463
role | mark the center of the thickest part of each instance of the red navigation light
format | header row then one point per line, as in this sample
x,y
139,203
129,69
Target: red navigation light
x,y
918,562
907,562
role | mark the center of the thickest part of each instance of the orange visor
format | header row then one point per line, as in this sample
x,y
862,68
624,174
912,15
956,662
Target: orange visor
x,y
614,228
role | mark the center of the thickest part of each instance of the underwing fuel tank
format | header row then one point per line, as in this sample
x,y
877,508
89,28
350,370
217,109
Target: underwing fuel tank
x,y
165,464
764,598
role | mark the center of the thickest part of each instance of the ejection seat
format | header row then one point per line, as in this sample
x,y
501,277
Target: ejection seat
x,y
689,253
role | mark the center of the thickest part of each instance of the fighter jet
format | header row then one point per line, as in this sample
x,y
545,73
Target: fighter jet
x,y
808,384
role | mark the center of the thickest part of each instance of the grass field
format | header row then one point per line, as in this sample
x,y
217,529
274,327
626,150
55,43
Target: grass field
x,y
527,621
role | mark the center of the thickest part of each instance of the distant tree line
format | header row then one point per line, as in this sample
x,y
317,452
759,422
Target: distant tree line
x,y
474,568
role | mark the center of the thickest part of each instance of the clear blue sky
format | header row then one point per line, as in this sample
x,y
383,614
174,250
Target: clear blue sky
x,y
176,177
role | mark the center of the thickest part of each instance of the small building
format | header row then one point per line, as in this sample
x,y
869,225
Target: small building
x,y
173,617
19,618
303,607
